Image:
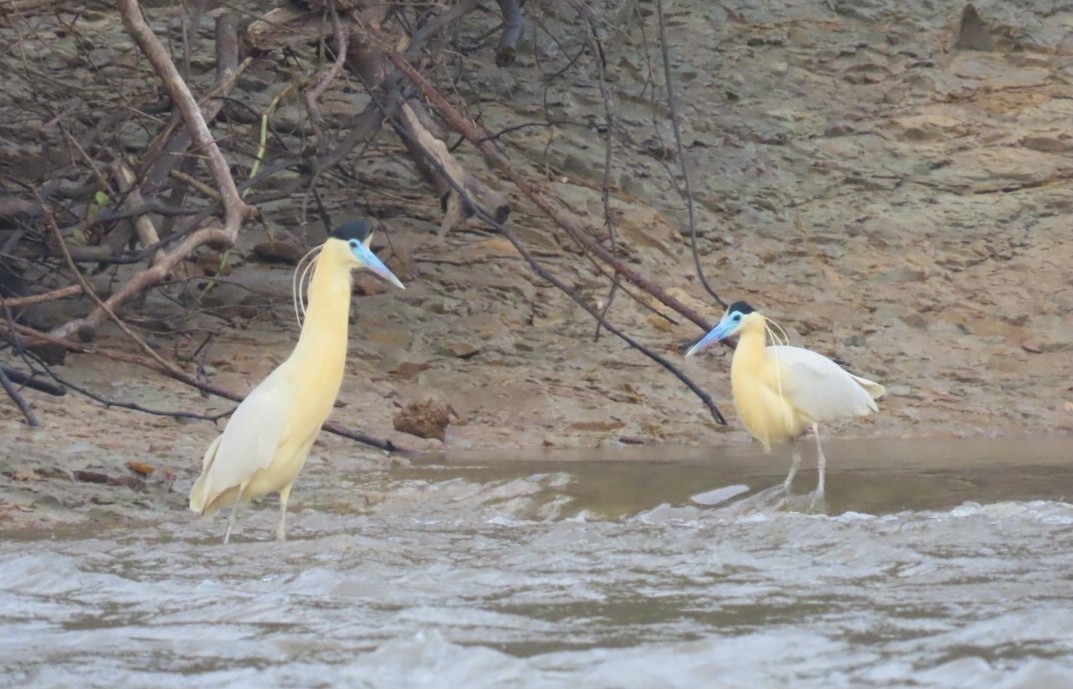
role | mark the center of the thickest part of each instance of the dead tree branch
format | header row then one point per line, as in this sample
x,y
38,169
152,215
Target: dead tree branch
x,y
143,224
672,105
29,380
593,311
563,218
334,70
18,399
52,295
26,336
425,146
91,293
235,208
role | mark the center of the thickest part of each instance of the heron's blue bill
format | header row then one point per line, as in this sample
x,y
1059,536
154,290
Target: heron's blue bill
x,y
368,259
721,330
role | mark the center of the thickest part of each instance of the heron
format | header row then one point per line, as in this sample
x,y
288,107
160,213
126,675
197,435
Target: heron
x,y
781,390
267,439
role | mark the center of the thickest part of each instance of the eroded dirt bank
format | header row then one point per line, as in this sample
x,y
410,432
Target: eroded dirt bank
x,y
894,202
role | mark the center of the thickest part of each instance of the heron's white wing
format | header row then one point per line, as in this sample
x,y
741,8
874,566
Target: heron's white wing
x,y
817,386
253,434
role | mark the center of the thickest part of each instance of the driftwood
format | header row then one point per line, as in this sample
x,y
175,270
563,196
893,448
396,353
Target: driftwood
x,y
426,145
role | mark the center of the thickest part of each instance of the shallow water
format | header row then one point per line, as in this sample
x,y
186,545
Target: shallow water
x,y
938,564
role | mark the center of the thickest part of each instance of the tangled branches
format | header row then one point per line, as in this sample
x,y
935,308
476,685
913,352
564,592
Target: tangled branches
x,y
150,189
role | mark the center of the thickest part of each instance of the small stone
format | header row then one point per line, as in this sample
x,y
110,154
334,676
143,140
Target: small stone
x,y
140,468
461,349
427,419
1032,346
915,320
25,474
659,322
408,369
277,252
1059,143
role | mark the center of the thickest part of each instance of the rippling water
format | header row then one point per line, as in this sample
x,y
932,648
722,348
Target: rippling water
x,y
946,565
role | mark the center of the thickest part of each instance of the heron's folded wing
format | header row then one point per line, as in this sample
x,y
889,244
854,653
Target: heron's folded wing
x,y
819,387
253,434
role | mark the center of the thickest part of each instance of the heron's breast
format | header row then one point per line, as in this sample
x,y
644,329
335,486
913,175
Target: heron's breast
x,y
316,386
767,415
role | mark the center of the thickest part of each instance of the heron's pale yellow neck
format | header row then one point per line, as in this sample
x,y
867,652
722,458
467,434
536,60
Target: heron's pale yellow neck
x,y
751,353
758,395
323,342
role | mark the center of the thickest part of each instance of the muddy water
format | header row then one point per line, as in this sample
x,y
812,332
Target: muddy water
x,y
931,565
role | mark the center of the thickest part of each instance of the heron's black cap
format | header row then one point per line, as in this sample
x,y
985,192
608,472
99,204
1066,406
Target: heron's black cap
x,y
351,229
741,307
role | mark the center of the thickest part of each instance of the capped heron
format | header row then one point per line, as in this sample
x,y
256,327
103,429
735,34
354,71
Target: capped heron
x,y
779,390
266,441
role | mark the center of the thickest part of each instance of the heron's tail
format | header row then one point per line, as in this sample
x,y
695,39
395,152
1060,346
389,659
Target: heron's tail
x,y
199,494
874,389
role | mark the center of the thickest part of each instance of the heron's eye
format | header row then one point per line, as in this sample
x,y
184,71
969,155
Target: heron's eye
x,y
737,317
353,244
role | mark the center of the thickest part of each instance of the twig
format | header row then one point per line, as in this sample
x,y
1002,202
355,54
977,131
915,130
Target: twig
x,y
28,380
180,176
143,224
673,107
133,406
333,71
605,191
52,295
595,313
18,399
50,222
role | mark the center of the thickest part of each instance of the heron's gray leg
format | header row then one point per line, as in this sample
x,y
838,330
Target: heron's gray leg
x,y
234,511
281,528
793,468
821,461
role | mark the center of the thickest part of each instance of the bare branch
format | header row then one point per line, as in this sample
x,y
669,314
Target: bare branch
x,y
61,293
18,399
143,225
330,75
563,218
672,105
539,269
424,146
30,380
147,278
236,209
